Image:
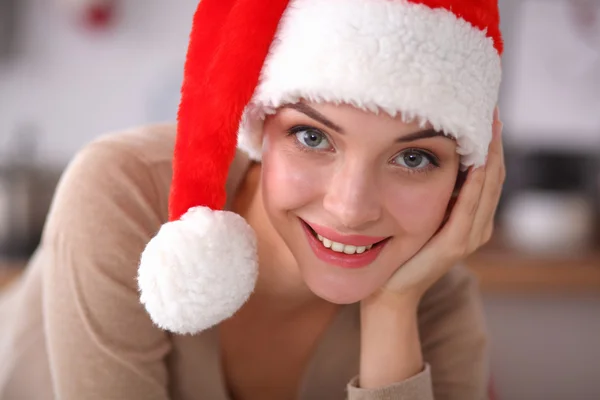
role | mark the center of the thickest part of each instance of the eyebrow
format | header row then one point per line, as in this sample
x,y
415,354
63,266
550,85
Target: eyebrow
x,y
317,116
424,134
314,114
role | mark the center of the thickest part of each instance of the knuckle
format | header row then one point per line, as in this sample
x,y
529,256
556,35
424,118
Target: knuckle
x,y
487,236
471,250
456,250
473,245
491,229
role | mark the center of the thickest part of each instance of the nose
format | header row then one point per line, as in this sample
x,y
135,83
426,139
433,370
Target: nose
x,y
352,197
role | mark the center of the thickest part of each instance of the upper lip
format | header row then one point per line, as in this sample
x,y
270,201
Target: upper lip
x,y
353,240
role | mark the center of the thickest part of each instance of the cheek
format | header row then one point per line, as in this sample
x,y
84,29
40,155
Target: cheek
x,y
420,210
288,181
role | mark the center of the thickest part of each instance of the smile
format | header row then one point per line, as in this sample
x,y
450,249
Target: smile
x,y
343,248
352,251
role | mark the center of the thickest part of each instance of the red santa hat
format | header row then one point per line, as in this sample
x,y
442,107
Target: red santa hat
x,y
435,61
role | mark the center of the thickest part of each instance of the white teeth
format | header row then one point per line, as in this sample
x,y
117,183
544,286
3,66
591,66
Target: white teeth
x,y
343,248
339,247
349,249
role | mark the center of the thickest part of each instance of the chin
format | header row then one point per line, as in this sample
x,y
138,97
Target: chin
x,y
339,287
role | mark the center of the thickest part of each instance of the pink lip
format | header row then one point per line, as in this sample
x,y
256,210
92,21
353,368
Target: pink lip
x,y
350,261
354,240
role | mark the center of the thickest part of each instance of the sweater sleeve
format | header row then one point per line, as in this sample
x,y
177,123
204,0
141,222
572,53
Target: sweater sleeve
x,y
101,342
454,343
416,388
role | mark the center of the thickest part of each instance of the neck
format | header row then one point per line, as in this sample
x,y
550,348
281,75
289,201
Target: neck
x,y
280,286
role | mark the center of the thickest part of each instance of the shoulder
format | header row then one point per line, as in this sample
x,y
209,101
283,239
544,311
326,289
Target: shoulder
x,y
148,144
120,173
146,150
129,152
110,201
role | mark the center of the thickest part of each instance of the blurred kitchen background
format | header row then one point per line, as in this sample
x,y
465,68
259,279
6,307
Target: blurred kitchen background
x,y
71,70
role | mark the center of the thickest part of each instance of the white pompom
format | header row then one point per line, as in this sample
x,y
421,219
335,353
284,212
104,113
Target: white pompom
x,y
198,271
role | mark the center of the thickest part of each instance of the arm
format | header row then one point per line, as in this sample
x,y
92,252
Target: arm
x,y
436,351
389,328
101,343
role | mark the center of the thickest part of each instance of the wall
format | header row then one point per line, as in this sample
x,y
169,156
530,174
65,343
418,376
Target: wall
x,y
74,85
551,89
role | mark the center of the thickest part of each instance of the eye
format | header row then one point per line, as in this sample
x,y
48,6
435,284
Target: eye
x,y
414,159
311,138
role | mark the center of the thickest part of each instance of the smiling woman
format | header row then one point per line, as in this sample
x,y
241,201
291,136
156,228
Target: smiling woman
x,y
336,171
311,209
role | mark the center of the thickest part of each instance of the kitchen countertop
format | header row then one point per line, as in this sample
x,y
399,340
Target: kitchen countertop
x,y
499,270
512,272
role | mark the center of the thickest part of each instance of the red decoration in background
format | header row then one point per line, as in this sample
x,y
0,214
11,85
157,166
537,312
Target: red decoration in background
x,y
93,14
100,15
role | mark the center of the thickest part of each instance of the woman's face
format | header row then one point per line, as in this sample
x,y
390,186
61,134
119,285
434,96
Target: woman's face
x,y
353,194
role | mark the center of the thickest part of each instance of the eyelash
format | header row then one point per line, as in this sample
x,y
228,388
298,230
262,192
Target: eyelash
x,y
291,133
434,161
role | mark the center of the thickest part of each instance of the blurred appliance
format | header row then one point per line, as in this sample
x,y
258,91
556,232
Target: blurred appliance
x,y
553,212
8,27
25,194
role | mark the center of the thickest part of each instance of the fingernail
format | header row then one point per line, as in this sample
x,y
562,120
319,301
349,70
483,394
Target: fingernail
x,y
496,113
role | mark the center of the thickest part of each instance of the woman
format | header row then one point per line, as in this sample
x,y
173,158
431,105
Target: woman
x,y
358,121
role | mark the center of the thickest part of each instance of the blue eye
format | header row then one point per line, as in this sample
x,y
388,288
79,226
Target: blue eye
x,y
414,159
312,138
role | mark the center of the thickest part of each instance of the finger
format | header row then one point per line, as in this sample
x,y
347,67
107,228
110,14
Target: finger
x,y
451,243
502,178
492,189
453,239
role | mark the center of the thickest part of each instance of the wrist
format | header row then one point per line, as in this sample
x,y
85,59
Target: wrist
x,y
399,302
390,345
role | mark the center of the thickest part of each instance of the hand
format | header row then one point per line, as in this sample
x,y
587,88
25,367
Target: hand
x,y
469,226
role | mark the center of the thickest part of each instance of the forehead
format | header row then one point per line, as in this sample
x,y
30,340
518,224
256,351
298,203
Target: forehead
x,y
350,118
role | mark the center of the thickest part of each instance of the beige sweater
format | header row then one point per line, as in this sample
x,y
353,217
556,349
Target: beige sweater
x,y
73,328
